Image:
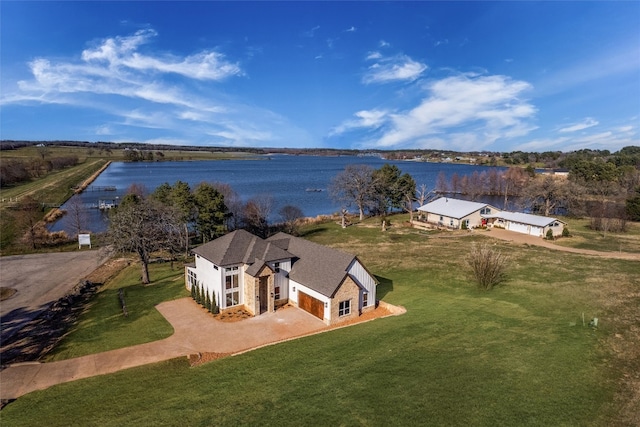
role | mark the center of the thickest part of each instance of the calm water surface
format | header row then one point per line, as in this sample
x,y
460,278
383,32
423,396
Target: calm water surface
x,y
286,178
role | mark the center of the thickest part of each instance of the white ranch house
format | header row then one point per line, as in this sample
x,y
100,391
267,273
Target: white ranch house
x,y
456,213
453,213
243,271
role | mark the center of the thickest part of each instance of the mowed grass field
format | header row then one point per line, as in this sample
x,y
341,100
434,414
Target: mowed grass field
x,y
516,356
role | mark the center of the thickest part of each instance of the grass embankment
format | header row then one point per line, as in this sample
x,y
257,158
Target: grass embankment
x,y
583,237
518,355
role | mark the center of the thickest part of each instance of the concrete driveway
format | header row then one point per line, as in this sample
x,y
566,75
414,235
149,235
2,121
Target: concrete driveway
x,y
41,279
196,331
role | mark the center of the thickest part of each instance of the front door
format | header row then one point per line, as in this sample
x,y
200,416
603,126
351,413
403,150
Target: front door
x,y
264,300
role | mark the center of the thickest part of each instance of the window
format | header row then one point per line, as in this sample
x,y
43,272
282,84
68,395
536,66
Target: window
x,y
485,211
276,266
365,299
344,308
451,222
276,293
441,218
233,298
215,267
231,286
192,278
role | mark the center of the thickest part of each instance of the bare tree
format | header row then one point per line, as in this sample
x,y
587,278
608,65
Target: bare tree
x,y
233,203
441,183
27,216
76,217
355,185
487,265
544,194
290,216
515,180
144,226
256,214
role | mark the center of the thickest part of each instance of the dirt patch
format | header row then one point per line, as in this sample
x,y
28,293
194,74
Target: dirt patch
x,y
200,358
108,270
6,293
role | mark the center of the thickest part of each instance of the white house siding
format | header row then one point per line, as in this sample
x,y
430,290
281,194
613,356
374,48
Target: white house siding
x,y
293,297
365,280
209,278
281,278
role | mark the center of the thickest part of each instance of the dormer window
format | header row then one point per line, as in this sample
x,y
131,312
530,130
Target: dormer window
x,y
276,267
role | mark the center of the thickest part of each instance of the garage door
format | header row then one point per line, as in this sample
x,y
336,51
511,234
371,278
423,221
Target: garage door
x,y
518,227
311,305
536,231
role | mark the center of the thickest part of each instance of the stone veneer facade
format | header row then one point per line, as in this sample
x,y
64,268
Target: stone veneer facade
x,y
349,290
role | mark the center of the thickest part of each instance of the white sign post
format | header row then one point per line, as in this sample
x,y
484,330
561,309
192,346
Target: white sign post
x,y
84,239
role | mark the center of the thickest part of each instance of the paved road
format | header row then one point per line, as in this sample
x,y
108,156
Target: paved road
x,y
41,279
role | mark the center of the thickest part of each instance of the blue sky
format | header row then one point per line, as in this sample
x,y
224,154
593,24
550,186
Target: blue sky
x,y
465,76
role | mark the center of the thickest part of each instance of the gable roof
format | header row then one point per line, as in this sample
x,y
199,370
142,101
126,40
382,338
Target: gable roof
x,y
453,208
524,218
240,247
318,267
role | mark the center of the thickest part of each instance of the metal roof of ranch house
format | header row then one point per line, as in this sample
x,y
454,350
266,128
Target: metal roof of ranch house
x,y
454,208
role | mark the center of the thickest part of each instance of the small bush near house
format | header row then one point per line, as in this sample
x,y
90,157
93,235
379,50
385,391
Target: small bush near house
x,y
565,232
487,265
549,234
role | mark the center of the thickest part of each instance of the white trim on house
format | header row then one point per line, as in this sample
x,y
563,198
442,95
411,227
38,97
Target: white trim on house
x,y
294,265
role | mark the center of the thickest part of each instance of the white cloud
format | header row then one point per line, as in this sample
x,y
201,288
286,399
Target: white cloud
x,y
396,68
383,43
121,52
103,130
467,111
612,139
364,119
180,96
311,32
373,55
351,29
585,124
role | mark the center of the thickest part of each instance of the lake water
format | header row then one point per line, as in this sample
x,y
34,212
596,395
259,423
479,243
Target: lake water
x,y
287,178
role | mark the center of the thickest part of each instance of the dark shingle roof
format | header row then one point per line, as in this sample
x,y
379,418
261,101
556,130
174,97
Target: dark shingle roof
x,y
240,247
318,267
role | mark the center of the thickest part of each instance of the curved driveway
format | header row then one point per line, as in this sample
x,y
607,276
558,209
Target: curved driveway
x,y
195,331
521,238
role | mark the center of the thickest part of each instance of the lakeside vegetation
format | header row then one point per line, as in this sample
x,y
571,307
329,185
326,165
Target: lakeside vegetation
x,y
518,355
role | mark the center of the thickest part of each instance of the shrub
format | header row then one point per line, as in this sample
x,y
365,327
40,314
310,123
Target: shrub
x,y
549,235
565,232
487,265
207,303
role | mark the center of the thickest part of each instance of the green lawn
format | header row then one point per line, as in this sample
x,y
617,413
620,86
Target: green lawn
x,y
583,237
516,356
103,326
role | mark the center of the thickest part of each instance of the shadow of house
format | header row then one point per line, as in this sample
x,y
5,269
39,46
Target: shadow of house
x,y
384,286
